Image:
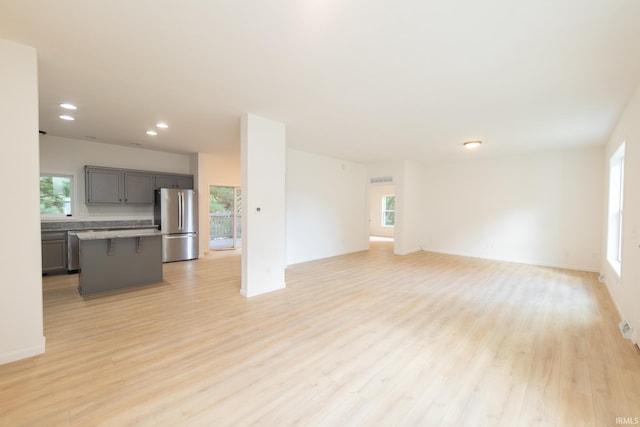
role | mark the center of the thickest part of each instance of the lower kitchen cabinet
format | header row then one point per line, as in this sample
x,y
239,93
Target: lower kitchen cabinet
x,y
54,252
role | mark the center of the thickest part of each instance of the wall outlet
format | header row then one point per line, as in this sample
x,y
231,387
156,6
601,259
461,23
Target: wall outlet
x,y
626,330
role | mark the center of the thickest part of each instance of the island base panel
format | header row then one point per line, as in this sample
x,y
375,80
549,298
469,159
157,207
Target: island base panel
x,y
108,264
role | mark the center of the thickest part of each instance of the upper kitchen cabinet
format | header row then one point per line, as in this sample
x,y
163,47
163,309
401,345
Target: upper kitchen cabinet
x,y
103,185
138,188
166,180
184,181
107,186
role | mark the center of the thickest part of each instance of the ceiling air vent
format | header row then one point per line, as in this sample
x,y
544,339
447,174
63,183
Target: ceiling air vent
x,y
382,180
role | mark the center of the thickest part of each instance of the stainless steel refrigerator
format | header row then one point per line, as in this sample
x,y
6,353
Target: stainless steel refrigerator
x,y
176,212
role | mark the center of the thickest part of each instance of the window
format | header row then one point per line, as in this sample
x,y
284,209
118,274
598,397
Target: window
x,y
388,211
614,229
55,195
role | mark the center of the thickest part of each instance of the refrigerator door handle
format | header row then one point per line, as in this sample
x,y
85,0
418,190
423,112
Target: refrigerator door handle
x,y
184,210
180,211
182,217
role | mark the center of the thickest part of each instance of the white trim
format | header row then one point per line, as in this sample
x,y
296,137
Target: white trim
x,y
246,294
410,251
615,266
23,353
615,203
385,210
517,261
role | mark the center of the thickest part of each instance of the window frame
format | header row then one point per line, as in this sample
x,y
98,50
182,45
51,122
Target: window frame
x,y
385,211
616,208
71,177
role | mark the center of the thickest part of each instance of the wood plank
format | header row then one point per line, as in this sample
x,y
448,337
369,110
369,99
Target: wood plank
x,y
363,339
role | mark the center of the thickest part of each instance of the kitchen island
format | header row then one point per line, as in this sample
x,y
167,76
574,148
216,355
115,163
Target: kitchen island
x,y
119,259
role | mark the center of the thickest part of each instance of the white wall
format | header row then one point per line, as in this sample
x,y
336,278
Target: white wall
x,y
69,156
21,327
213,170
409,208
376,193
326,207
625,290
263,154
543,208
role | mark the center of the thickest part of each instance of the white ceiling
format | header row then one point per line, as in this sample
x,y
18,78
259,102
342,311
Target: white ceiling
x,y
360,80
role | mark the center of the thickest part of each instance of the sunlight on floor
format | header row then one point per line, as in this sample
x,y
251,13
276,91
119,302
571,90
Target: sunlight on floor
x,y
380,239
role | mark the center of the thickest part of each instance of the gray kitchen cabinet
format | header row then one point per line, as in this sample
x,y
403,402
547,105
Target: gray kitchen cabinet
x,y
54,252
115,260
166,180
184,181
138,188
111,186
108,186
103,186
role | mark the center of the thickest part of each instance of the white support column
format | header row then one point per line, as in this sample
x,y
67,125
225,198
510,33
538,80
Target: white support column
x,y
21,327
263,205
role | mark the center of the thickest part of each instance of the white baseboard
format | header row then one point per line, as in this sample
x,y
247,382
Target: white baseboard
x,y
23,353
407,252
538,263
246,294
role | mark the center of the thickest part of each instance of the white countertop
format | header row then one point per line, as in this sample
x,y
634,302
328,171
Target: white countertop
x,y
117,234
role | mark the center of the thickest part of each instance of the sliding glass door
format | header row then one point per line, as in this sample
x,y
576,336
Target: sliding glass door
x,y
225,221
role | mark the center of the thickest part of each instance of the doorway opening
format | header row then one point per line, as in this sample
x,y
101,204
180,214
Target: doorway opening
x,y
382,212
225,217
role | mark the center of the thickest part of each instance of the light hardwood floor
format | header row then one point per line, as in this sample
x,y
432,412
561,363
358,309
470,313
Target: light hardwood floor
x,y
366,339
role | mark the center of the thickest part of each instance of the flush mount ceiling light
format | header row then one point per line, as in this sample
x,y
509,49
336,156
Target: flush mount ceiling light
x,y
68,106
162,125
152,132
65,117
472,144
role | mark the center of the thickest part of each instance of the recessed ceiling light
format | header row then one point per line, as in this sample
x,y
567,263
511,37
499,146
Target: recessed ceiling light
x,y
65,117
472,144
162,125
152,132
68,106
